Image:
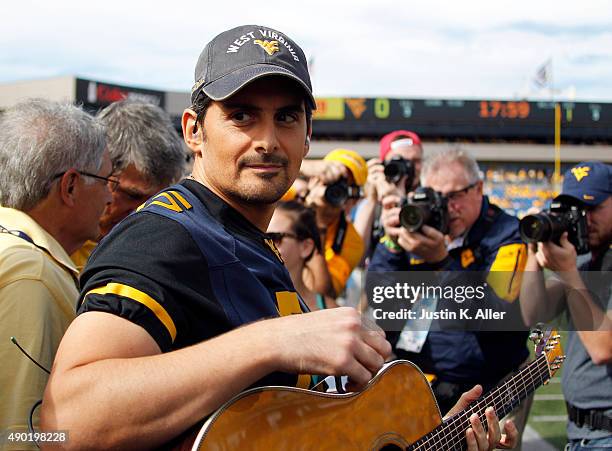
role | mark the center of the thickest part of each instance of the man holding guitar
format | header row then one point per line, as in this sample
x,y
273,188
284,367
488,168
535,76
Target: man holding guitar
x,y
174,301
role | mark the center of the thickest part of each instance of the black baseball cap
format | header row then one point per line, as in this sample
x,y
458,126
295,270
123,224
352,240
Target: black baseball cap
x,y
243,54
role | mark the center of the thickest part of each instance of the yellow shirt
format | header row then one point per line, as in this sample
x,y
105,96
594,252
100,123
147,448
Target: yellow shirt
x,y
80,257
341,265
38,296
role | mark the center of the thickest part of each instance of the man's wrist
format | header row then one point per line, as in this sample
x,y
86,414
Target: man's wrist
x,y
532,264
264,335
272,334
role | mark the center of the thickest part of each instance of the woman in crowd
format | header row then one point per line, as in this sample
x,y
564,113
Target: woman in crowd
x,y
293,229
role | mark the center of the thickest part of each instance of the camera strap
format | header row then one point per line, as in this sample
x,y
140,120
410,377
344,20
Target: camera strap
x,y
340,234
19,234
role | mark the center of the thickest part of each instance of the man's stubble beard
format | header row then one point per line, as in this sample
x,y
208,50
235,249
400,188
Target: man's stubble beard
x,y
255,196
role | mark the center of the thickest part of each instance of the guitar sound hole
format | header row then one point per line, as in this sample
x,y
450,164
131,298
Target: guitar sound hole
x,y
390,442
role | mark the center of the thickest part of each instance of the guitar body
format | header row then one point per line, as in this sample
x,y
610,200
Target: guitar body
x,y
395,409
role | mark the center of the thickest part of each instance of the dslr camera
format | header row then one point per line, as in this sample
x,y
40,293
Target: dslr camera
x,y
550,224
426,207
339,192
398,167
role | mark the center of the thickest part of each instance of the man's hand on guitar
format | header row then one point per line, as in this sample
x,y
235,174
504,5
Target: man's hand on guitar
x,y
477,438
331,342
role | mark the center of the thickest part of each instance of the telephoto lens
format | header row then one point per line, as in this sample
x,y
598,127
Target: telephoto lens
x,y
550,224
540,227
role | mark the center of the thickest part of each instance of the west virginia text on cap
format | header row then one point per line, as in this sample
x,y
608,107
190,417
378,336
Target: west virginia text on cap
x,y
243,54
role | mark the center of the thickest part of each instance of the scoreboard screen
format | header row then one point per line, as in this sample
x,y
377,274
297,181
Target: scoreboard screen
x,y
489,119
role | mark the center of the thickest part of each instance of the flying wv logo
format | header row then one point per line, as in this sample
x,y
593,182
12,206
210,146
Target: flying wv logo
x,y
581,172
271,47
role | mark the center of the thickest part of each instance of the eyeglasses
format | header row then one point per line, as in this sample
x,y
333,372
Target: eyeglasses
x,y
112,182
458,194
277,237
134,195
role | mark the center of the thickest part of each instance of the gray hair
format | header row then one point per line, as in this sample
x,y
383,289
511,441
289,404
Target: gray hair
x,y
142,134
40,139
441,159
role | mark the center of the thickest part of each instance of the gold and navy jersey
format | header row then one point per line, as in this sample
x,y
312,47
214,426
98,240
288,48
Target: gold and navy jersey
x,y
188,267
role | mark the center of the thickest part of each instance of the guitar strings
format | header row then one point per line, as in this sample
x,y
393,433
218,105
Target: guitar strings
x,y
459,424
530,383
454,429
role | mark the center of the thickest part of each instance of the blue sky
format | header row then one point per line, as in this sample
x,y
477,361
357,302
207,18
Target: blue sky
x,y
449,49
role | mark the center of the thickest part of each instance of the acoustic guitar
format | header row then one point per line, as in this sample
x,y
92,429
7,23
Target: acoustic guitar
x,y
397,410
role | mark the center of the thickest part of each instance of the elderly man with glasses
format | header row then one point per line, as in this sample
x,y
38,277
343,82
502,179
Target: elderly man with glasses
x,y
147,156
55,180
481,248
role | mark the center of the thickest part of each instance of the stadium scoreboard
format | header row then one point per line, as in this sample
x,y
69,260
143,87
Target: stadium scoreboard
x,y
471,119
352,118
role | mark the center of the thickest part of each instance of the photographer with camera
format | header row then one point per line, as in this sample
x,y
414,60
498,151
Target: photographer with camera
x,y
401,154
332,198
397,170
587,372
451,226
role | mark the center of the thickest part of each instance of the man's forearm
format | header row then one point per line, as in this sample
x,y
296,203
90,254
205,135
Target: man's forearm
x,y
540,301
533,297
160,395
364,220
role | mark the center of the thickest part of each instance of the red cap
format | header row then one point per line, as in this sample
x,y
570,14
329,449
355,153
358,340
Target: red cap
x,y
385,142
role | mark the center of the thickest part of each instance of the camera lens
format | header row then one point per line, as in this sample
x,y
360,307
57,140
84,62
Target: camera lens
x,y
394,171
336,194
412,217
534,228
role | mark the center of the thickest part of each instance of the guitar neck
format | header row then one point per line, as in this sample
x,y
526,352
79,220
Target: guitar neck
x,y
504,398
